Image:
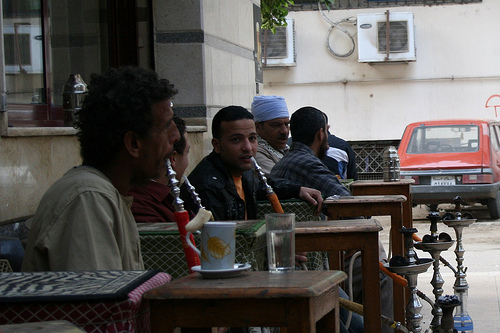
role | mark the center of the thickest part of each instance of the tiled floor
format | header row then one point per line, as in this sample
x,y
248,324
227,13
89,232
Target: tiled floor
x,y
482,259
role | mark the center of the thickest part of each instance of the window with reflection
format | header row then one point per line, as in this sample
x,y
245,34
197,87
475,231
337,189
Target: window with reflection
x,y
46,41
23,49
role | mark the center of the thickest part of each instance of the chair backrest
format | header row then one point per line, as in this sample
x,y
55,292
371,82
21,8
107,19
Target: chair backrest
x,y
5,266
303,211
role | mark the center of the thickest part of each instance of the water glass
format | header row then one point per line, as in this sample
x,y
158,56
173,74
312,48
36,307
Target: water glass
x,y
280,232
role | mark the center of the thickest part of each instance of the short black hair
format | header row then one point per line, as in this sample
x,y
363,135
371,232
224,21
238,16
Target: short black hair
x,y
305,123
180,145
229,113
118,101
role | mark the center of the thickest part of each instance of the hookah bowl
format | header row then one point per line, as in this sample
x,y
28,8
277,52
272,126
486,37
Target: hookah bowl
x,y
463,321
448,304
434,248
410,271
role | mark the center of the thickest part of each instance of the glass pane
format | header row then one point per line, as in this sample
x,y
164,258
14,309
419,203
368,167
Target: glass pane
x,y
444,139
23,45
78,41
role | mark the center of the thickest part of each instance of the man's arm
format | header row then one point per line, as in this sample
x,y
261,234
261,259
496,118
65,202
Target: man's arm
x,y
286,189
318,176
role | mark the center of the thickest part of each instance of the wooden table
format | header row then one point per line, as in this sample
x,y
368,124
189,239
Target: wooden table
x,y
379,187
339,207
335,236
301,301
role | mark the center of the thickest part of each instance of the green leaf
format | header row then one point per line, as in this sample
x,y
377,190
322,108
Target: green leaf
x,y
274,12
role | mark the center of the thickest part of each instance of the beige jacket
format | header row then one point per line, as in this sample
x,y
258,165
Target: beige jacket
x,y
83,223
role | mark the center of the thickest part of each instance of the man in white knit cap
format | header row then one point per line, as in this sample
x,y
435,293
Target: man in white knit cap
x,y
272,121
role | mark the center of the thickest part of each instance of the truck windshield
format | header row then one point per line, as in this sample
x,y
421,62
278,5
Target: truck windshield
x,y
444,139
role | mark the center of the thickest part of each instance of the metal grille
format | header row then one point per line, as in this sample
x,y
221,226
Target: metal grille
x,y
162,249
274,44
5,266
354,4
398,36
369,157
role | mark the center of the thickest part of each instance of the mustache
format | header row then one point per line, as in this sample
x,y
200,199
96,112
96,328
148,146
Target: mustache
x,y
283,136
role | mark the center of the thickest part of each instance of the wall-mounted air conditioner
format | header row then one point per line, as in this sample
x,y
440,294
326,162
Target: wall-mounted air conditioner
x,y
376,31
279,48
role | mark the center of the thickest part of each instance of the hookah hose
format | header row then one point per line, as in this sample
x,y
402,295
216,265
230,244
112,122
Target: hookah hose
x,y
181,218
397,278
275,203
358,308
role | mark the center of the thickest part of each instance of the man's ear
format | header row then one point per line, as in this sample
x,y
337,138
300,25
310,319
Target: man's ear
x,y
216,145
132,143
320,134
173,159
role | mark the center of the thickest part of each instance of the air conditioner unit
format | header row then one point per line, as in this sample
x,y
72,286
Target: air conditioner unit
x,y
279,48
376,31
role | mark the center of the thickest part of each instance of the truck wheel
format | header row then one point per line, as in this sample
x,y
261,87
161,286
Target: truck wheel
x,y
494,207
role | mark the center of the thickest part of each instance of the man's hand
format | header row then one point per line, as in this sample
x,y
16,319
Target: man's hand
x,y
312,196
300,257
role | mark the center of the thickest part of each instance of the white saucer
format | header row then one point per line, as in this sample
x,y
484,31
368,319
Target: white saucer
x,y
221,273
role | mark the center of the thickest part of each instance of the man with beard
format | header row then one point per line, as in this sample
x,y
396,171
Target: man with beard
x,y
272,121
302,164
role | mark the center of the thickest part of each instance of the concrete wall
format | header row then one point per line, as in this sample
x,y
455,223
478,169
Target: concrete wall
x,y
32,159
30,164
205,47
456,71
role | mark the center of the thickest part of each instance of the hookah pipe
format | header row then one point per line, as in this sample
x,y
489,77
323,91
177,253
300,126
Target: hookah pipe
x,y
403,283
449,216
181,218
273,198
